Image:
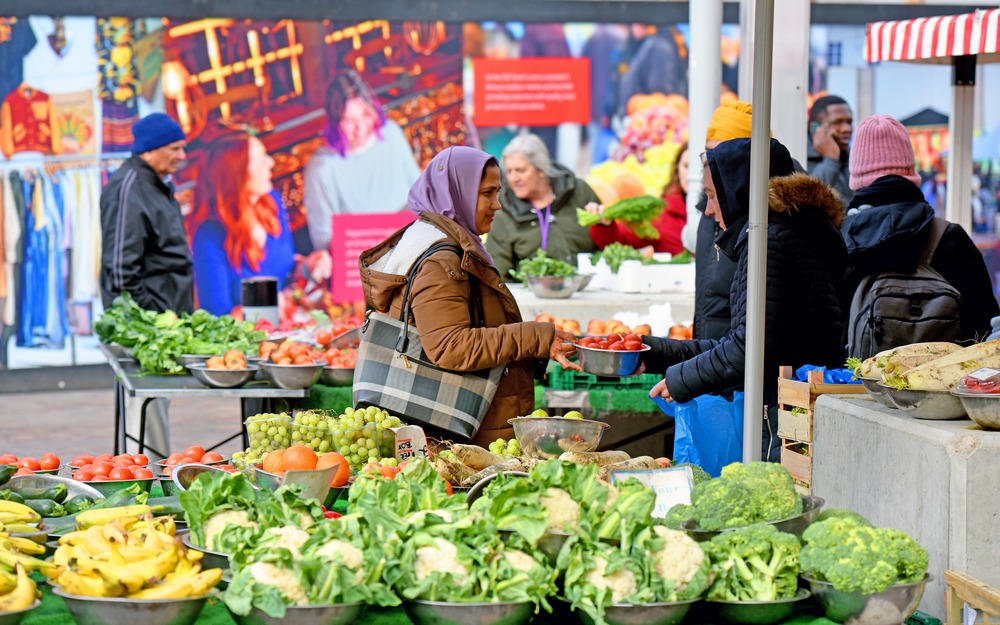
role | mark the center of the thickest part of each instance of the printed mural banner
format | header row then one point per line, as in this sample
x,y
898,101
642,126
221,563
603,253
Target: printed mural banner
x,y
74,121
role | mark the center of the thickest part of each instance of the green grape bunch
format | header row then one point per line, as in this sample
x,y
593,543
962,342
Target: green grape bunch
x,y
313,431
505,448
361,435
269,431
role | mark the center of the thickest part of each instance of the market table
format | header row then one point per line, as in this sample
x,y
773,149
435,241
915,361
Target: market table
x,y
935,480
599,304
131,382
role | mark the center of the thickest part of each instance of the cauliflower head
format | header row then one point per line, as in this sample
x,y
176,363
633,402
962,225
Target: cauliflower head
x,y
622,583
564,513
286,537
221,520
281,578
348,555
441,557
520,560
682,561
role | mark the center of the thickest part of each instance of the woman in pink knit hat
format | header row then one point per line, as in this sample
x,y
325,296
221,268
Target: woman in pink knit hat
x,y
888,225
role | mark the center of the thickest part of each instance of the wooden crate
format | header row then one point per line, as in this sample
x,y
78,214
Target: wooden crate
x,y
962,589
796,401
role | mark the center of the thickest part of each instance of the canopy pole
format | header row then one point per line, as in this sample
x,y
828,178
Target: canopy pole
x,y
705,71
760,157
959,194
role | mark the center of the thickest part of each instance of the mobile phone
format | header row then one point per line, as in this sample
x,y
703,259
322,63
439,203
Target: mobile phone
x,y
813,127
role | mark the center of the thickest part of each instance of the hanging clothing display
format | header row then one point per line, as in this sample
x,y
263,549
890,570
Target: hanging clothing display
x,y
17,38
74,121
26,122
118,81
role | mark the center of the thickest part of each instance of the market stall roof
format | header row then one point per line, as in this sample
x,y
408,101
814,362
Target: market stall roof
x,y
936,39
925,117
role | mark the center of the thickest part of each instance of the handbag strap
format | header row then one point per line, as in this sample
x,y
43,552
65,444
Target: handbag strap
x,y
475,306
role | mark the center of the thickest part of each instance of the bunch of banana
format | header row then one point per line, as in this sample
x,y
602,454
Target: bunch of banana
x,y
135,557
103,516
17,518
17,591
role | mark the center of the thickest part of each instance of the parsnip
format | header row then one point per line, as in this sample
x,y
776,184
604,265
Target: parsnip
x,y
904,357
451,470
945,372
475,457
600,458
640,463
511,465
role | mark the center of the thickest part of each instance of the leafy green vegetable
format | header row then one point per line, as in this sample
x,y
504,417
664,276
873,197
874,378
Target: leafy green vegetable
x,y
754,563
745,494
157,339
854,364
541,265
213,492
635,212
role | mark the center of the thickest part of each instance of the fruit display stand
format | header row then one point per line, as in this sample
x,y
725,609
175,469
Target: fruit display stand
x,y
935,480
796,401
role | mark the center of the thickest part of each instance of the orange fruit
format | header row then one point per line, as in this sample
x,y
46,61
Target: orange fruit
x,y
299,458
274,462
330,459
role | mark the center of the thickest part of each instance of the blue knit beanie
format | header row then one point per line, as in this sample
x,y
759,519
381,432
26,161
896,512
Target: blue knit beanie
x,y
155,131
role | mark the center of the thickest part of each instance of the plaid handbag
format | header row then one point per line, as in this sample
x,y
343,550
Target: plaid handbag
x,y
394,373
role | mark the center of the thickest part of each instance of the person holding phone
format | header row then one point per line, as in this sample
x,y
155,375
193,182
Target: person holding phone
x,y
831,125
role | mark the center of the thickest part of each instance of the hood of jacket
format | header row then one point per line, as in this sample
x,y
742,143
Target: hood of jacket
x,y
729,163
381,288
563,183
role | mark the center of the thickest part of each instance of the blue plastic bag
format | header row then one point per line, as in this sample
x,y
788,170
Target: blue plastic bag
x,y
708,431
830,376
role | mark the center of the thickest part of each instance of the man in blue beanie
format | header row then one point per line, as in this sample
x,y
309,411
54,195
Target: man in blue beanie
x,y
144,245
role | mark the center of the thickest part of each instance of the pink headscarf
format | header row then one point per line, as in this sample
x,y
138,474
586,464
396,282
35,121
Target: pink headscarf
x,y
449,186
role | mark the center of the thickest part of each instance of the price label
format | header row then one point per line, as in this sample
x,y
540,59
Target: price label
x,y
672,486
411,442
969,614
984,374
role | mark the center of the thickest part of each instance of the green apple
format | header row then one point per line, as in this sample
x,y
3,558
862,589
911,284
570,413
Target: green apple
x,y
573,414
539,413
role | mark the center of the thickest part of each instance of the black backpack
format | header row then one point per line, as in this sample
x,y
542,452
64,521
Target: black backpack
x,y
891,309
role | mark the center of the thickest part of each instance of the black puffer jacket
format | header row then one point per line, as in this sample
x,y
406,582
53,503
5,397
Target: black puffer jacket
x,y
805,260
713,275
888,232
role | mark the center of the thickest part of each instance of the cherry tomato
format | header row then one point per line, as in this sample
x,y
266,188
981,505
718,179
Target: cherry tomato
x,y
120,473
614,338
633,346
602,345
617,347
632,336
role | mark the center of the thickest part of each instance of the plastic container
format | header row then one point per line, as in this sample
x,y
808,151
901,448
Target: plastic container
x,y
269,434
560,379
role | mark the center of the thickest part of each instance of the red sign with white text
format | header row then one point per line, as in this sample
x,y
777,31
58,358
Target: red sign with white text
x,y
533,91
352,235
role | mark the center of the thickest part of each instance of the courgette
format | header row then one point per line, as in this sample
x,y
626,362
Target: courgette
x,y
11,495
56,492
7,471
78,504
46,507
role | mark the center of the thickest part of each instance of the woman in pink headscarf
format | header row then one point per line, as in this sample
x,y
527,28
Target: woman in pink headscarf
x,y
456,198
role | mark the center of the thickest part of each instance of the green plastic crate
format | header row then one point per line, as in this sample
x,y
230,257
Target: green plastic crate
x,y
560,379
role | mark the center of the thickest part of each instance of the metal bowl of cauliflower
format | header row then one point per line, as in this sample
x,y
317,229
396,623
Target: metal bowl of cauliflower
x,y
665,613
211,559
895,604
446,613
334,614
811,506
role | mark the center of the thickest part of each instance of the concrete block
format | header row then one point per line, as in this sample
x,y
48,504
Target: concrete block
x,y
936,480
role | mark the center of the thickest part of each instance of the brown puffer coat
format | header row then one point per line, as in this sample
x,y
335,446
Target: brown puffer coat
x,y
440,302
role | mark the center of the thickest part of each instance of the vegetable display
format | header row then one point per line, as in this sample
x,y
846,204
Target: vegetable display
x,y
635,212
541,265
944,372
899,359
754,563
157,339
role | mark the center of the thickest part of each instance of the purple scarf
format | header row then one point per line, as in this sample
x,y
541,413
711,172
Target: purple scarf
x,y
449,186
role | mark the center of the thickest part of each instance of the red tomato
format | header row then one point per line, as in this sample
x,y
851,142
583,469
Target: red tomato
x,y
323,337
105,457
195,451
8,459
617,347
102,468
602,345
140,459
614,338
81,460
189,460
211,456
633,346
29,462
50,461
100,478
142,473
120,473
167,470
123,460
24,471
83,476
632,336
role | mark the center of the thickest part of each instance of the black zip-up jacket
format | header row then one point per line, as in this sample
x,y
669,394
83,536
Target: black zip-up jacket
x,y
806,257
144,246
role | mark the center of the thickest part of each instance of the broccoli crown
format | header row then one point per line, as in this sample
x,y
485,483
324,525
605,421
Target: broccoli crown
x,y
700,475
745,494
856,557
677,514
830,513
754,563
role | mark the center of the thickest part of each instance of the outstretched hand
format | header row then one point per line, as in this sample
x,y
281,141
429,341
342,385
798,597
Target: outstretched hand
x,y
660,390
563,346
597,209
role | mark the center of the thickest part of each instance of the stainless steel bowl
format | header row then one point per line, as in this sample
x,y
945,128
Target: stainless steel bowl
x,y
222,378
444,613
666,613
115,611
549,437
551,287
186,360
270,481
476,490
336,614
338,376
351,338
292,376
811,506
184,475
15,617
983,408
919,404
895,602
211,559
551,543
113,486
877,391
757,612
74,488
610,363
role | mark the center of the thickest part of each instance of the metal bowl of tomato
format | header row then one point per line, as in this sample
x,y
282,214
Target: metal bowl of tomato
x,y
615,355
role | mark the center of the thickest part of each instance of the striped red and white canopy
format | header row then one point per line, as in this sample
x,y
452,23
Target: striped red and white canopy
x,y
936,39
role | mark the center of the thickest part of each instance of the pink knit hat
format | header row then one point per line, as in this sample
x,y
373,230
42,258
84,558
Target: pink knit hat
x,y
881,147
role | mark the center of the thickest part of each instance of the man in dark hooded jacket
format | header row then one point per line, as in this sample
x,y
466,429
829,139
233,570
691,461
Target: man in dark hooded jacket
x,y
805,260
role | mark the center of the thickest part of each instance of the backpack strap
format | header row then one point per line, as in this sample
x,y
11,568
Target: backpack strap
x,y
938,226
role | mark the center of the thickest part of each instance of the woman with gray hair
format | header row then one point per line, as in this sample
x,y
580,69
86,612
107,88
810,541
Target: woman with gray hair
x,y
539,201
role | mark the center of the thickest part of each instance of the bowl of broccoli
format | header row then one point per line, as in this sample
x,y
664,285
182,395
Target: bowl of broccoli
x,y
757,612
895,604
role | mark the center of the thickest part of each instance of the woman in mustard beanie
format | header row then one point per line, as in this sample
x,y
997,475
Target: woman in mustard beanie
x,y
888,225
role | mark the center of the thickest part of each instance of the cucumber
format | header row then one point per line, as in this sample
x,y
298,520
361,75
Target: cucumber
x,y
7,471
11,495
46,507
56,493
78,504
